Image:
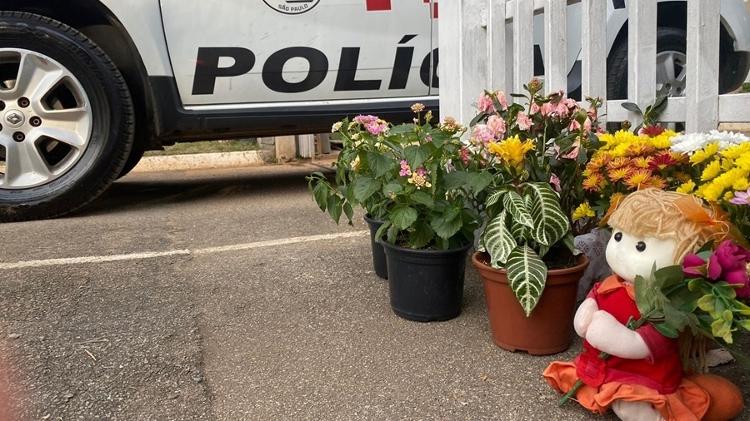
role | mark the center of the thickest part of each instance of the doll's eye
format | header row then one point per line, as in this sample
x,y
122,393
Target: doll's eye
x,y
618,236
641,246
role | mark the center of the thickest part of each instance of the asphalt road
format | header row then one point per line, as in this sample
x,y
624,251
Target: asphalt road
x,y
228,295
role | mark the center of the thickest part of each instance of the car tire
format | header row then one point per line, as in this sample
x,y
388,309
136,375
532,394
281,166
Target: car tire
x,y
136,153
667,40
84,131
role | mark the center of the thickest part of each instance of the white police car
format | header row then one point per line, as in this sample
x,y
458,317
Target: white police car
x,y
86,86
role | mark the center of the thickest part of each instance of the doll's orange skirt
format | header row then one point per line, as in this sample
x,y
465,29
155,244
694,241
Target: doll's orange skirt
x,y
690,402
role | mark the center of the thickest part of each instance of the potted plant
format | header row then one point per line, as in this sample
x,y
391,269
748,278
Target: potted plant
x,y
429,226
363,163
534,155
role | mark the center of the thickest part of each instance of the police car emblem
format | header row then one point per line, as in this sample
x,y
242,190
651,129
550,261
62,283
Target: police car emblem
x,y
292,7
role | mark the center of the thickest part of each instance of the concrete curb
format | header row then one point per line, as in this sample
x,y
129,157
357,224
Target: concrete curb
x,y
201,161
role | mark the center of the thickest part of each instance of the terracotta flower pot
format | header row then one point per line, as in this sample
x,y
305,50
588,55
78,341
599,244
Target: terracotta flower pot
x,y
548,329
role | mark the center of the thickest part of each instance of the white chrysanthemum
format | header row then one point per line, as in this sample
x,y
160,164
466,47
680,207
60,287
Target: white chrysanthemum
x,y
336,127
691,142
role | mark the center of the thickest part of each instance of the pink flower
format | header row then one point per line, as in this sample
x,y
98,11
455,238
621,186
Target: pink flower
x,y
534,109
729,262
485,104
554,180
562,110
421,171
428,138
592,113
587,124
574,126
548,108
693,265
524,122
502,100
405,169
570,102
496,124
365,119
741,198
573,154
376,127
482,133
464,155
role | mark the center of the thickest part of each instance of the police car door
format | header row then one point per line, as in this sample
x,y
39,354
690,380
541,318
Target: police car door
x,y
259,51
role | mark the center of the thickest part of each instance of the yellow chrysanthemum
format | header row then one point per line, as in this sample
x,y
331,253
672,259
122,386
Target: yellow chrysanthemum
x,y
594,182
618,163
741,184
736,151
618,174
637,179
709,151
711,171
686,187
728,196
655,182
583,210
642,162
511,150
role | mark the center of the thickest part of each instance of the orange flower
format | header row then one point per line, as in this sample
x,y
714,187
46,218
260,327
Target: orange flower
x,y
618,174
599,160
618,163
594,182
640,149
638,178
682,177
642,162
655,182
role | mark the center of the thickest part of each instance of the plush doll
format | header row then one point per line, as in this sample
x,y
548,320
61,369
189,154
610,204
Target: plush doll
x,y
643,379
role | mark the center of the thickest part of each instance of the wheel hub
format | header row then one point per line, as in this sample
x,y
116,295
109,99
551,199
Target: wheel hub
x,y
14,118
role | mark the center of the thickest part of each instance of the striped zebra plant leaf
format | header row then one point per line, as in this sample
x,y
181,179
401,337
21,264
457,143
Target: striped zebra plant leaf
x,y
494,197
550,222
514,204
527,276
497,239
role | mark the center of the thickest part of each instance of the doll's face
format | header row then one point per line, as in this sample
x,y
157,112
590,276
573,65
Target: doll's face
x,y
629,256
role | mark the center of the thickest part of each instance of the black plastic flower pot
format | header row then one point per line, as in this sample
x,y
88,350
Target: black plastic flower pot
x,y
426,285
378,255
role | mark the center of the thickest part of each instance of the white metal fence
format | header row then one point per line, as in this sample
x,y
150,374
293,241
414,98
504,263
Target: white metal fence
x,y
488,44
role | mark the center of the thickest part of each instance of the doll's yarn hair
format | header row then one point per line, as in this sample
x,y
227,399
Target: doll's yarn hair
x,y
662,214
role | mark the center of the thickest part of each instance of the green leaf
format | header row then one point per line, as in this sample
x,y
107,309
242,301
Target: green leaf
x,y
447,224
423,198
550,222
494,197
392,188
364,187
632,107
477,182
348,211
403,216
455,180
416,156
320,194
666,330
527,276
514,204
498,240
379,163
334,208
421,236
382,230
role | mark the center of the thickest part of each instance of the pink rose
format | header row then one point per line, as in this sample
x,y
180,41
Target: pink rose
x,y
729,262
548,108
365,119
464,155
562,110
496,124
534,109
592,113
502,100
570,102
524,122
485,104
587,124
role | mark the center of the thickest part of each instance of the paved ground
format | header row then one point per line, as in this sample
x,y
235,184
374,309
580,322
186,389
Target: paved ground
x,y
280,330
